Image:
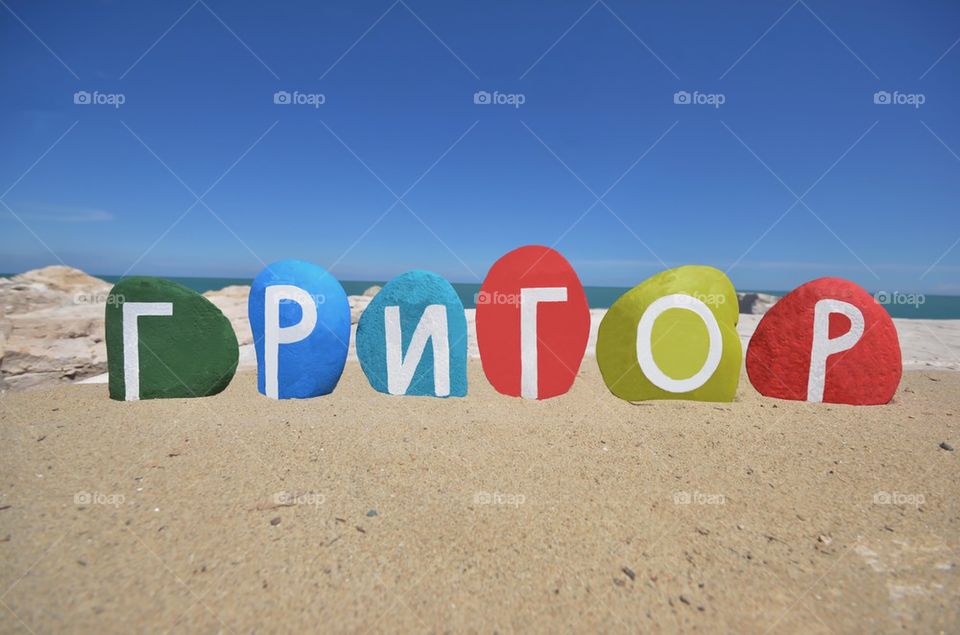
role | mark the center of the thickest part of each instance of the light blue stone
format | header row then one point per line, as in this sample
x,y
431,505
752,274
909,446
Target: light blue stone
x,y
311,365
416,296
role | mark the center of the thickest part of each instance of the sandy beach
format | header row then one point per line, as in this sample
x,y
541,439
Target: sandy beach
x,y
327,199
360,512
367,513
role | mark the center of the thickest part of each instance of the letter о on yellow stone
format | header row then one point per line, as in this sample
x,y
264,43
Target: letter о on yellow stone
x,y
673,336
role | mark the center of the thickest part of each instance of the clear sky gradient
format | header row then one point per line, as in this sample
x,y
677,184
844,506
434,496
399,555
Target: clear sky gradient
x,y
796,175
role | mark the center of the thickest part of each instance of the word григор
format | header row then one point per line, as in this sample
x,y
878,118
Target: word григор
x,y
671,337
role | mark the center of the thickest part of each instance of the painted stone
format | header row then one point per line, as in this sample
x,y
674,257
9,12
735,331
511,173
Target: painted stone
x,y
300,318
673,336
165,340
412,338
533,322
827,340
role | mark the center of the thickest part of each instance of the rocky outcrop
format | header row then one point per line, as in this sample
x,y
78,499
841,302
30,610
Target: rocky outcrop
x,y
51,327
232,301
756,303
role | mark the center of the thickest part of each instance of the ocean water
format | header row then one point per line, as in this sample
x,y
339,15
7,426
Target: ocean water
x,y
917,306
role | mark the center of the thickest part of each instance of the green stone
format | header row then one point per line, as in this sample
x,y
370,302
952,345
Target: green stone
x,y
679,338
186,346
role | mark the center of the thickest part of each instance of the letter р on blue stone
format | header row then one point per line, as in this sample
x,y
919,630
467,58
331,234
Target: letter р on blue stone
x,y
300,318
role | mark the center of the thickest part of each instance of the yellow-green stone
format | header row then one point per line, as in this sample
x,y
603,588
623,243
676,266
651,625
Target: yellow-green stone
x,y
679,338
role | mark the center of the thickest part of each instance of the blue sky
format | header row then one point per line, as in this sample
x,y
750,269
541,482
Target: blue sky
x,y
115,189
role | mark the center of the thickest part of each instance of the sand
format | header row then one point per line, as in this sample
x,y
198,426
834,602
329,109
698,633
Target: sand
x,y
483,514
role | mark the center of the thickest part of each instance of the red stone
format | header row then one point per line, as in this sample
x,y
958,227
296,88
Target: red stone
x,y
563,327
779,354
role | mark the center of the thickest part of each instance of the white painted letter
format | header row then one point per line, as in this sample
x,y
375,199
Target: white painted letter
x,y
274,335
131,342
645,346
823,346
529,298
400,369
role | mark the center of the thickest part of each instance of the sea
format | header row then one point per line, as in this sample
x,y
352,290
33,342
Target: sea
x,y
899,305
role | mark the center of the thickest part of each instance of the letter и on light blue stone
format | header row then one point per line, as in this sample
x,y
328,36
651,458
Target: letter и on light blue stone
x,y
412,338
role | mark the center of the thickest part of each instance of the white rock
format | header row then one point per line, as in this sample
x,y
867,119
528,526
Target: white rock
x,y
232,301
756,303
358,304
51,327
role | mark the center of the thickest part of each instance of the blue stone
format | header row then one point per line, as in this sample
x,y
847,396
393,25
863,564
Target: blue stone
x,y
300,319
417,314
